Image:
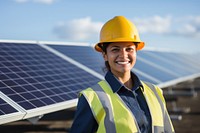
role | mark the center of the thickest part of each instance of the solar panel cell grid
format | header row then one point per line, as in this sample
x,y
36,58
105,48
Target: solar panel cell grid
x,y
33,77
83,54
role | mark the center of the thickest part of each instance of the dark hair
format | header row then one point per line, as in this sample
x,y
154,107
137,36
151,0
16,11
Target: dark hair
x,y
107,67
104,46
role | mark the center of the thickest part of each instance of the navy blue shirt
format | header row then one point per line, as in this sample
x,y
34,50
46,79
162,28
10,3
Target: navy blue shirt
x,y
84,121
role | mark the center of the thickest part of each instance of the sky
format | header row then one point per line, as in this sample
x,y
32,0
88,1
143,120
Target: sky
x,y
167,25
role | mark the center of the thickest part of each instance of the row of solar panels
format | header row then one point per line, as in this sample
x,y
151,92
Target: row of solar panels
x,y
37,78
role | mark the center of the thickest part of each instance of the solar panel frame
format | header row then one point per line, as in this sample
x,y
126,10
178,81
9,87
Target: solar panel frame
x,y
18,114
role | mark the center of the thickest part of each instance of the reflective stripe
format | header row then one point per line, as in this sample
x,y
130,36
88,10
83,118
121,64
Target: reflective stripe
x,y
109,118
168,127
157,96
158,129
136,124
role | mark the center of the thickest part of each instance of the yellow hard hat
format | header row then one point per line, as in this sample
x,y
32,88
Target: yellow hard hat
x,y
119,29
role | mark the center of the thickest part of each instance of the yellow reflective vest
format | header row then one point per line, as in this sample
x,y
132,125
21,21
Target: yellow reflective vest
x,y
113,116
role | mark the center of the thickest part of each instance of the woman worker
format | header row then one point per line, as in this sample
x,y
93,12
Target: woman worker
x,y
121,103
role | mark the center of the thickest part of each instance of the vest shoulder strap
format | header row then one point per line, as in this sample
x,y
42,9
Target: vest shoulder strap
x,y
168,125
152,87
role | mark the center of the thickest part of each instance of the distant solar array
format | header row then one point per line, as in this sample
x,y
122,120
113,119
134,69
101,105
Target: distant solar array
x,y
37,78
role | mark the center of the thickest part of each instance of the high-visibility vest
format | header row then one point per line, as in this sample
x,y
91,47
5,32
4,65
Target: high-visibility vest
x,y
113,115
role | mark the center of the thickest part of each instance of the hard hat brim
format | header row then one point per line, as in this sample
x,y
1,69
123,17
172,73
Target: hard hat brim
x,y
98,48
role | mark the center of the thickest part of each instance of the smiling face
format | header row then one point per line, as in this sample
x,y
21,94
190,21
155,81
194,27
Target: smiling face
x,y
121,57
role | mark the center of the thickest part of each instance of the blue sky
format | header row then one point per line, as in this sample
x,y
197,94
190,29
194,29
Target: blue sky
x,y
170,24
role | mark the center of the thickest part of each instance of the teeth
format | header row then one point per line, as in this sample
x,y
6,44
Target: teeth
x,y
125,62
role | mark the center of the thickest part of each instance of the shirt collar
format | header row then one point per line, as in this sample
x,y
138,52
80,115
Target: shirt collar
x,y
116,85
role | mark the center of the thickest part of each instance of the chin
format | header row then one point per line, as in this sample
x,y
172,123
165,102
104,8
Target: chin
x,y
124,70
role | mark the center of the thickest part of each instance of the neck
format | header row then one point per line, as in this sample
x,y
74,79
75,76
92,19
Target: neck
x,y
125,78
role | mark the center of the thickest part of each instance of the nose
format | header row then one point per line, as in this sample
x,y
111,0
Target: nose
x,y
123,53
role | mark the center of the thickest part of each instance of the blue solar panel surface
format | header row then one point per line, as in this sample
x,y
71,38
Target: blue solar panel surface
x,y
178,64
186,61
33,77
83,54
161,60
183,64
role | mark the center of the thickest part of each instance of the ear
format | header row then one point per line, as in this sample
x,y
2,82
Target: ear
x,y
105,56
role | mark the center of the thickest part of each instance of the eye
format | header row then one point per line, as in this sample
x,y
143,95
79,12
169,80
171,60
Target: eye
x,y
114,49
129,49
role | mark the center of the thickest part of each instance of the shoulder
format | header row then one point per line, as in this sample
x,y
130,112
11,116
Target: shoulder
x,y
151,86
93,88
154,88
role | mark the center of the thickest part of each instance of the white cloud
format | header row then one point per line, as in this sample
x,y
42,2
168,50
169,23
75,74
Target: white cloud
x,y
84,29
78,29
21,1
186,26
155,24
37,1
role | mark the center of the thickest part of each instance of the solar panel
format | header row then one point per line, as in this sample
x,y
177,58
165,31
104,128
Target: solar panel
x,y
83,54
33,77
183,64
